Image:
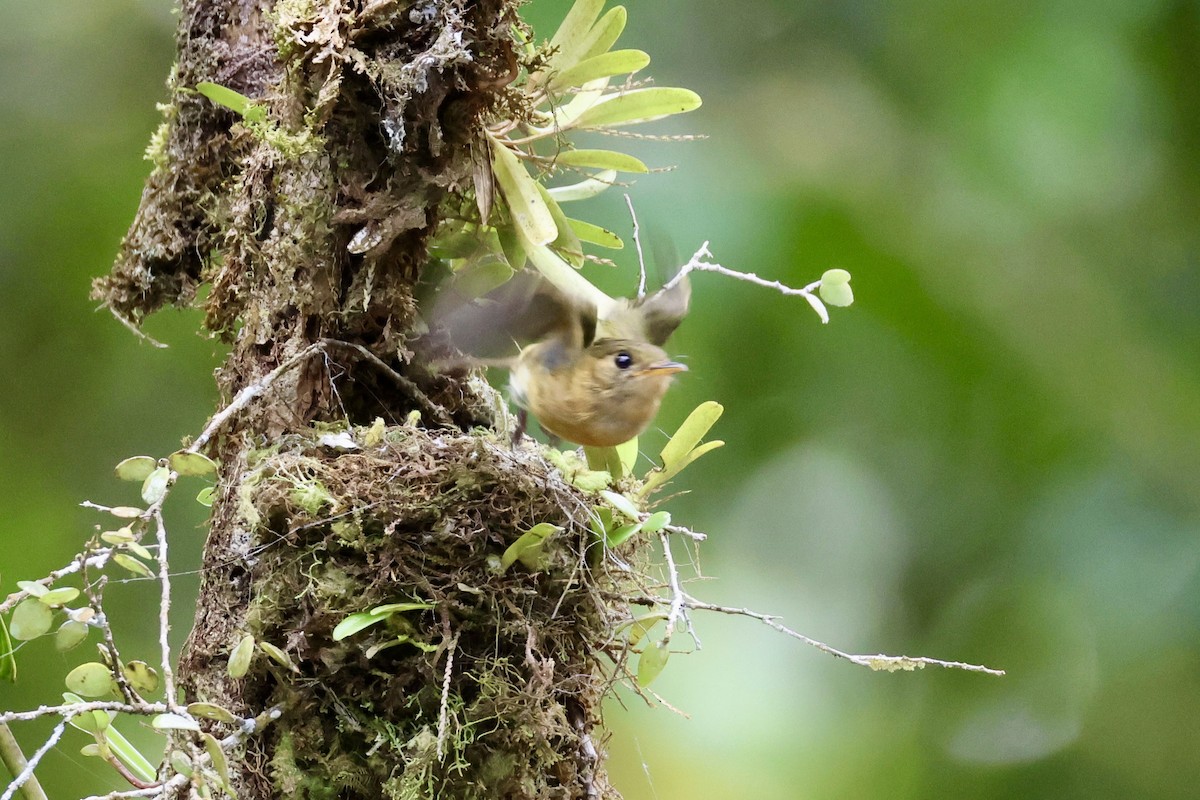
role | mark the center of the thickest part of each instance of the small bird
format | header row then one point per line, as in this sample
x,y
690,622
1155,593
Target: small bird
x,y
596,380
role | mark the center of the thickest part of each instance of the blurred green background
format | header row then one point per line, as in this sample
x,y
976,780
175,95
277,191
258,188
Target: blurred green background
x,y
992,456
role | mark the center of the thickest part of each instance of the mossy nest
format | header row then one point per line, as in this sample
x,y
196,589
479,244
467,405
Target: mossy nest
x,y
501,662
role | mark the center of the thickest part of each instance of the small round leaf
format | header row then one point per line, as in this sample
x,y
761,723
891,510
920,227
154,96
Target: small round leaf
x,y
133,565
186,462
240,658
211,711
70,635
33,588
58,597
174,722
30,619
126,512
92,679
277,655
142,677
155,485
137,468
835,288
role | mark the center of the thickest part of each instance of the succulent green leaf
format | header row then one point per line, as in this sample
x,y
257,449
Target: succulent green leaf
x,y
594,234
92,679
355,623
185,462
92,750
174,722
234,101
396,608
693,429
139,551
70,635
510,244
585,189
126,512
142,677
571,39
638,105
30,619
642,625
58,597
220,763
528,547
566,115
567,279
118,537
33,588
241,657
206,495
657,521
619,535
133,565
605,459
684,447
8,660
605,32
278,655
129,755
601,159
651,663
90,721
605,65
137,468
621,503
521,195
180,762
835,288
566,244
212,711
155,485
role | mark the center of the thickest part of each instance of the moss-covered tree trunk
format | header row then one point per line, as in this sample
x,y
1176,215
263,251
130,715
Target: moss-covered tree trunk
x,y
308,224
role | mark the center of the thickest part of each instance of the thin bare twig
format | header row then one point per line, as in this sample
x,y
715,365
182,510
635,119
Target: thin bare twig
x,y
637,242
138,332
699,263
73,709
164,605
435,411
875,662
250,392
24,775
678,608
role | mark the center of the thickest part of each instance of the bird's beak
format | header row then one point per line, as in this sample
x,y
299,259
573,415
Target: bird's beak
x,y
664,368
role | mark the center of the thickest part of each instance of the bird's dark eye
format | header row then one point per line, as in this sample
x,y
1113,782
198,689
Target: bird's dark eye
x,y
623,360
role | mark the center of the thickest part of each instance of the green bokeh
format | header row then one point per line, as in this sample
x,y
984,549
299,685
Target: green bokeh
x,y
992,456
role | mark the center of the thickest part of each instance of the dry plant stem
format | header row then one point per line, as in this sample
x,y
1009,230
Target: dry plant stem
x,y
98,558
637,242
74,709
95,594
880,661
444,708
249,393
14,760
27,773
678,598
164,606
428,406
697,263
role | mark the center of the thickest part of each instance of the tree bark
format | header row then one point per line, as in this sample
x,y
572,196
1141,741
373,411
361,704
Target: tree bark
x,y
309,226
